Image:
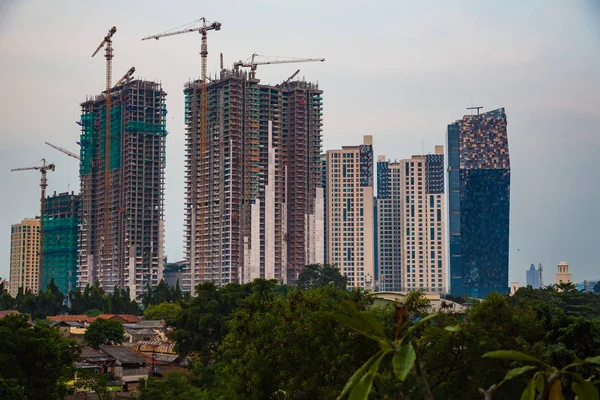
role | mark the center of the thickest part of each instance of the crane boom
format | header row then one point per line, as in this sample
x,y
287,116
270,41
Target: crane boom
x,y
43,168
126,78
206,26
253,64
67,152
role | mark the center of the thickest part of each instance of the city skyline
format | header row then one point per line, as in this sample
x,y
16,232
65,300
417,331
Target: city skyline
x,y
550,104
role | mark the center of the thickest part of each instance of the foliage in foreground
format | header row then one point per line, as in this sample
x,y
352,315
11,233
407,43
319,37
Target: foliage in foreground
x,y
35,360
263,341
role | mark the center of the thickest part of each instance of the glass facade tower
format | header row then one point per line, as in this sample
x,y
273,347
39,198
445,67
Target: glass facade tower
x,y
479,204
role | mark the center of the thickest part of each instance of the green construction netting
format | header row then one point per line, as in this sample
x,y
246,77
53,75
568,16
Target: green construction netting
x,y
87,143
60,252
115,136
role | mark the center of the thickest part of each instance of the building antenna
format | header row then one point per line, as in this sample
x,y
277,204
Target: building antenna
x,y
475,108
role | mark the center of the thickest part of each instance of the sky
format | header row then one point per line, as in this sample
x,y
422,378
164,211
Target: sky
x,y
398,70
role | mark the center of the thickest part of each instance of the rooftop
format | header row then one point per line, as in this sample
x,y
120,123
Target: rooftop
x,y
123,354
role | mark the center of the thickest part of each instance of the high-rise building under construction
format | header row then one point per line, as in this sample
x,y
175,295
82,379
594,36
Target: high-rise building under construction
x,y
254,199
61,224
122,228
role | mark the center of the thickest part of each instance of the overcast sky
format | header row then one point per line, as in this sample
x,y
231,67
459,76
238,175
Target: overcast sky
x,y
399,70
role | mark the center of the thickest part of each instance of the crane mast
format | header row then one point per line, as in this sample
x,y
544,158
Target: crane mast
x,y
107,122
197,163
44,168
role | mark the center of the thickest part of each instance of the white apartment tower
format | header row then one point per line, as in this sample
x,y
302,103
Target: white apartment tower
x,y
350,219
411,229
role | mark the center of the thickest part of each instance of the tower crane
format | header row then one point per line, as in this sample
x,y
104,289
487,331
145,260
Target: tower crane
x,y
67,152
204,27
126,78
253,64
107,43
43,168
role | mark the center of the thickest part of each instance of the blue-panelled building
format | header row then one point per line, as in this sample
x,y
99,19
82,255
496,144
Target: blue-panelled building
x,y
479,204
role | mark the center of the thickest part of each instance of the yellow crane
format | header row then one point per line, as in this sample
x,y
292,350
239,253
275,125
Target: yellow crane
x,y
125,79
43,168
107,44
204,27
273,60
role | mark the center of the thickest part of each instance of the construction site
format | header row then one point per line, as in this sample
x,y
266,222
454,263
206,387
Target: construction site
x,y
122,187
61,225
254,197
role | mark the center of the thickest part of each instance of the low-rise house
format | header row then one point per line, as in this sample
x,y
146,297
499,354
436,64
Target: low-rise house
x,y
148,330
129,366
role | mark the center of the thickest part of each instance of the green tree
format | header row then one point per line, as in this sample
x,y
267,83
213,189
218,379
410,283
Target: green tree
x,y
318,275
104,331
7,302
204,320
169,312
289,347
161,293
87,380
175,385
35,359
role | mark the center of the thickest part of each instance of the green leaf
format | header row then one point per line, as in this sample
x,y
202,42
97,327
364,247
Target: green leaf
x,y
529,392
386,345
513,355
358,374
584,389
361,390
453,328
356,324
516,372
593,360
419,323
403,360
364,323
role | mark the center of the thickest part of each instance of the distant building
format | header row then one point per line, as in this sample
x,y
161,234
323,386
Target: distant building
x,y
514,286
24,256
61,224
350,220
588,286
534,277
173,273
563,275
479,204
411,230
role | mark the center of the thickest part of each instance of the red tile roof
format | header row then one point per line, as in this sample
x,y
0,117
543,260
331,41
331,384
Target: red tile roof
x,y
126,317
8,312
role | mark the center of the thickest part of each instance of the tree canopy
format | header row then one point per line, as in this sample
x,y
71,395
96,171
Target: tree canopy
x,y
104,331
318,275
35,360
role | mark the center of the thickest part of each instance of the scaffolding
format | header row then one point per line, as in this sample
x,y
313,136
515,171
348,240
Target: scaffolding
x,y
132,253
258,173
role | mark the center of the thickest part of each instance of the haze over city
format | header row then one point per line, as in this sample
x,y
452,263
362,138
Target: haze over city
x,y
396,70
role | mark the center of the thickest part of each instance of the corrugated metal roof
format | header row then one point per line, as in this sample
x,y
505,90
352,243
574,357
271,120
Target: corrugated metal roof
x,y
123,354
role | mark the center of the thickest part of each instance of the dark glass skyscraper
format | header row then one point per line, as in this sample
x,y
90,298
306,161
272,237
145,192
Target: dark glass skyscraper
x,y
479,204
